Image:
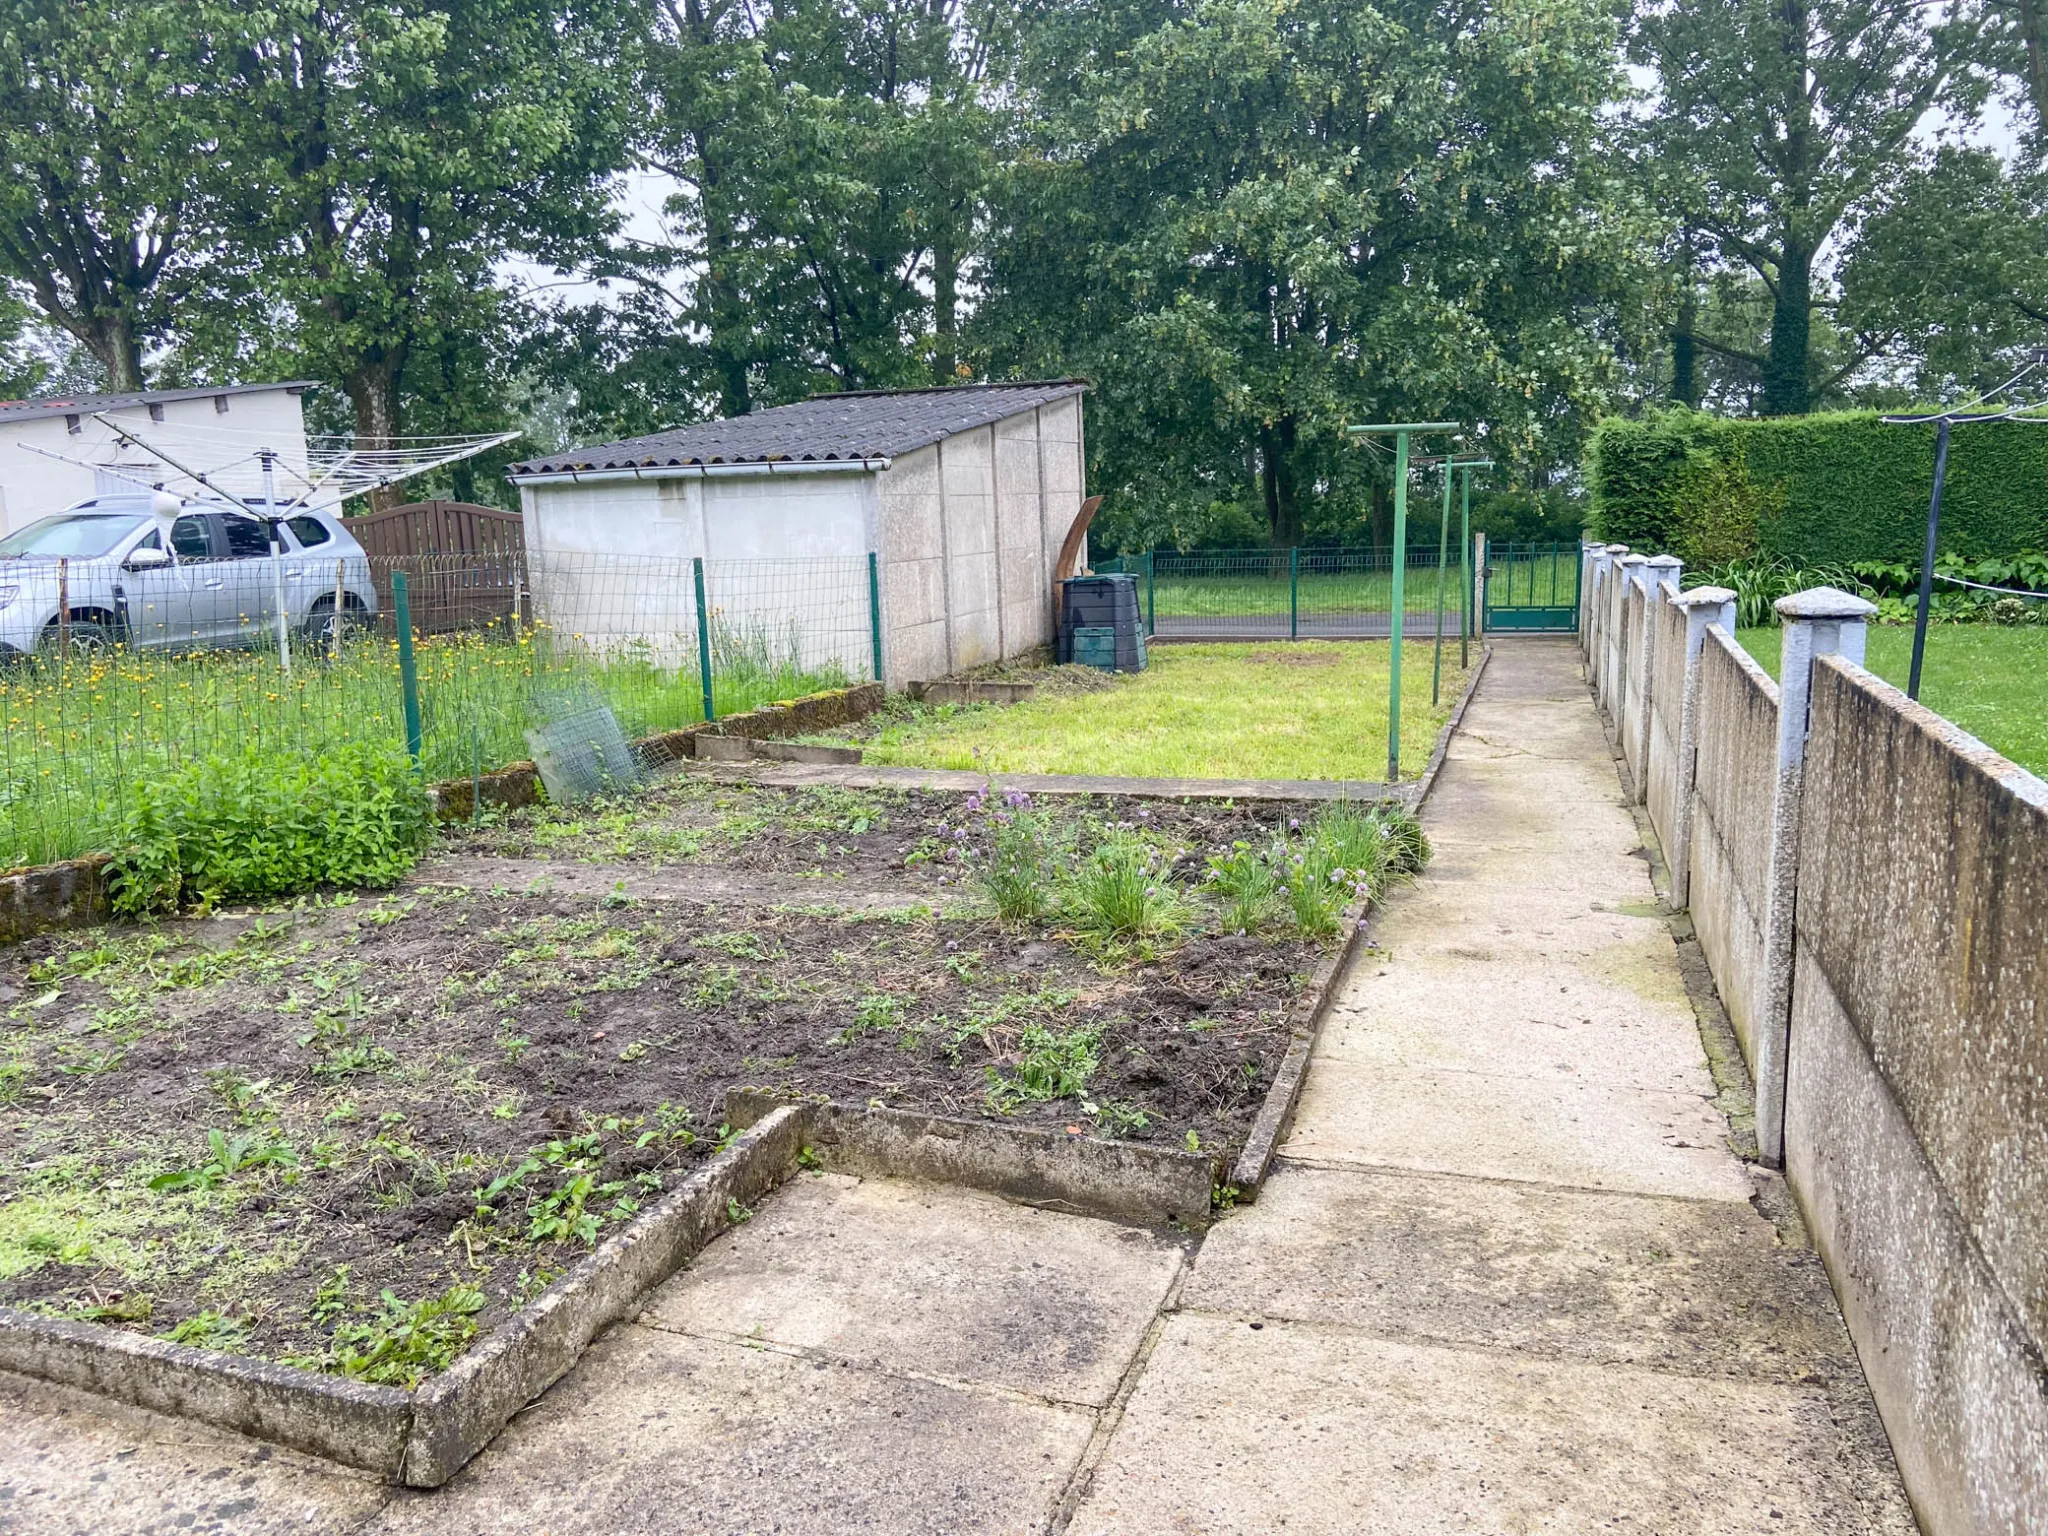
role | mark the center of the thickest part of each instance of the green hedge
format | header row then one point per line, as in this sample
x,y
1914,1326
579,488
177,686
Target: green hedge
x,y
1813,489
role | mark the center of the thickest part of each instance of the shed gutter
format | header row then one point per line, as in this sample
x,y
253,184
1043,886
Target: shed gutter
x,y
705,471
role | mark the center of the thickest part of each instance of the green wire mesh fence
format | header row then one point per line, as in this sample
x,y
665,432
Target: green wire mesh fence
x,y
500,643
1303,594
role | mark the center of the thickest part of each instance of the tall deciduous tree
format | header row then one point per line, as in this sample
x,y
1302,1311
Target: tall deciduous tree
x,y
401,151
111,118
1789,115
830,157
1956,259
1256,220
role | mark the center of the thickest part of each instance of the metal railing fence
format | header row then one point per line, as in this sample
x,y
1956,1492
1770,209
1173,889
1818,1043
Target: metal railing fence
x,y
1303,594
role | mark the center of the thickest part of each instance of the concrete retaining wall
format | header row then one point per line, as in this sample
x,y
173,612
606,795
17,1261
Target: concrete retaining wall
x,y
1899,984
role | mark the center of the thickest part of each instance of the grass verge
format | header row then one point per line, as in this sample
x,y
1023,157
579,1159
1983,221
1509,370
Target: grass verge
x,y
1990,679
1301,710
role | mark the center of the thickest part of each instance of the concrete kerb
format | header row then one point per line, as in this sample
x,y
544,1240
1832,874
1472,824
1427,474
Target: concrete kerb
x,y
1083,1175
420,1437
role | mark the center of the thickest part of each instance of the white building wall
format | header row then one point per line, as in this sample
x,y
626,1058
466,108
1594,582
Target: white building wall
x,y
784,566
968,478
197,431
1026,565
967,531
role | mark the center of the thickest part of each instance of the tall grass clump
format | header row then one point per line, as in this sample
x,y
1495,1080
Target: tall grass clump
x,y
1122,891
260,823
1307,875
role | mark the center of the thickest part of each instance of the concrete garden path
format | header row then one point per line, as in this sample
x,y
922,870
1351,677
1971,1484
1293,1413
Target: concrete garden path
x,y
1506,1278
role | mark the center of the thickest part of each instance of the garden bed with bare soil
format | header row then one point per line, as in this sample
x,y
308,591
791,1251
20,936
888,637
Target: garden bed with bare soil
x,y
353,1133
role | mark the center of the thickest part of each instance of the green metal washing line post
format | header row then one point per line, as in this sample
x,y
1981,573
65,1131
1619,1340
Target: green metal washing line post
x,y
1465,558
1443,551
1401,431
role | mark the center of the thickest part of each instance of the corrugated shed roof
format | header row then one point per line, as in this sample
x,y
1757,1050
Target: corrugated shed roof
x,y
85,405
851,426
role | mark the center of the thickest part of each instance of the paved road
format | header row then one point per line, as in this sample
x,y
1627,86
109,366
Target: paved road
x,y
1507,1278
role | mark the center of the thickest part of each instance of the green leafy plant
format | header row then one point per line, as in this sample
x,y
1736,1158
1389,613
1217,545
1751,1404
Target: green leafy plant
x,y
257,822
1051,1064
877,1010
1004,847
407,1341
209,1330
1123,891
226,1157
1244,878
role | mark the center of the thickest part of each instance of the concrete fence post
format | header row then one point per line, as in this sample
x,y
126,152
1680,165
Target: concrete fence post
x,y
1589,614
1588,553
1603,580
1702,606
1659,576
1619,683
1821,621
1589,611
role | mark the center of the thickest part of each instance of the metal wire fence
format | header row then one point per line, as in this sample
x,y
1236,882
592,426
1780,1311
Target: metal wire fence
x,y
195,667
1293,593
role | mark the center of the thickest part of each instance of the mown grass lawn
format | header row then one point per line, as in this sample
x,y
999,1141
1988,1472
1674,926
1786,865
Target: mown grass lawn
x,y
1990,679
1297,710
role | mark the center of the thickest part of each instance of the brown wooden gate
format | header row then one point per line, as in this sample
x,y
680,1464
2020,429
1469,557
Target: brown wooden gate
x,y
465,565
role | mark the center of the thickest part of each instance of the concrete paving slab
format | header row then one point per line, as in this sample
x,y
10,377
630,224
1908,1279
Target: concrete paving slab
x,y
654,1432
1497,1126
1686,1285
1322,1432
72,1463
1472,1007
944,1282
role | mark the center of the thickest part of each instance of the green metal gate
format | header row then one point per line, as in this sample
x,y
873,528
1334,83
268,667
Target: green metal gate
x,y
1532,587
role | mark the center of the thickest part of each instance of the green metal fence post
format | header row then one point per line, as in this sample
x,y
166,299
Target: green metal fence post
x,y
1465,573
874,605
1443,552
1294,594
1398,614
1151,593
408,674
703,639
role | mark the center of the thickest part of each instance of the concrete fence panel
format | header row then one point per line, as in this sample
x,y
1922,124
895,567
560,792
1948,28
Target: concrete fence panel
x,y
1662,770
1734,783
1917,1092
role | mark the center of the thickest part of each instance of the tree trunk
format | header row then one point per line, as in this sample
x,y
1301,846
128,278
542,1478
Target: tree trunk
x,y
1276,480
373,391
118,349
1685,363
2031,29
945,308
1786,390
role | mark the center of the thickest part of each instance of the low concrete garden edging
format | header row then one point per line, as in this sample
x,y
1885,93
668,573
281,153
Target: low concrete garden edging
x,y
1087,1175
68,895
424,1436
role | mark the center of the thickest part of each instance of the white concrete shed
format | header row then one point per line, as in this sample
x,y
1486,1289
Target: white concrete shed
x,y
963,493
